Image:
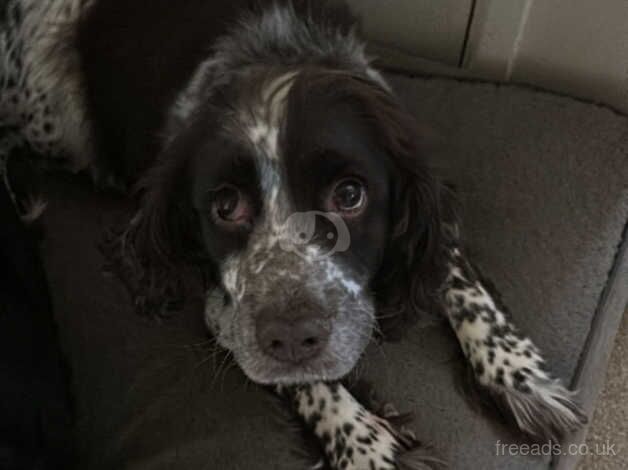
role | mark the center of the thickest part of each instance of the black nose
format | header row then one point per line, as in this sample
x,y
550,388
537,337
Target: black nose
x,y
293,340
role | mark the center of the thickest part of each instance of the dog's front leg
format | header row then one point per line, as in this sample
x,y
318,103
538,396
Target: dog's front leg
x,y
504,361
352,437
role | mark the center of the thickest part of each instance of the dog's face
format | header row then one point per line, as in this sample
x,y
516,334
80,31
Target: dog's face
x,y
300,190
292,195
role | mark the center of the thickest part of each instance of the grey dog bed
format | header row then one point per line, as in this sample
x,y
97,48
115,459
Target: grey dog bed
x,y
543,181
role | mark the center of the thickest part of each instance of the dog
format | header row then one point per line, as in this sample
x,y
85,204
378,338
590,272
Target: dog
x,y
273,160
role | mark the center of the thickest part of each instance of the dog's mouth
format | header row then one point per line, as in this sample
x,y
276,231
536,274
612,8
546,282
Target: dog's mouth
x,y
294,375
300,349
306,358
271,372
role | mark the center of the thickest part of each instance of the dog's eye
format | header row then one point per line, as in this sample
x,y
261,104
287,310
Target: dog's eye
x,y
229,206
348,197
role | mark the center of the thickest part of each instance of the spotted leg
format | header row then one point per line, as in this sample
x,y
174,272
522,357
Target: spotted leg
x,y
504,361
352,437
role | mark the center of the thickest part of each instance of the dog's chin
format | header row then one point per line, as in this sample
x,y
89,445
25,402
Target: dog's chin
x,y
282,374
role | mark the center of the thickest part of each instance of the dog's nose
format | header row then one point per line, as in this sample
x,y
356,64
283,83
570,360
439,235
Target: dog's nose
x,y
292,340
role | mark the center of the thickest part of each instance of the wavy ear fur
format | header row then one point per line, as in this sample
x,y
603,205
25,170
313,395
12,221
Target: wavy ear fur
x,y
158,248
422,217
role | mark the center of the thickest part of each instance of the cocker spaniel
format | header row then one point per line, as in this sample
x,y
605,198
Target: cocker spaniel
x,y
270,157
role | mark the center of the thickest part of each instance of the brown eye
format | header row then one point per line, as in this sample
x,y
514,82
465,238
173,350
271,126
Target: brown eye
x,y
348,197
230,207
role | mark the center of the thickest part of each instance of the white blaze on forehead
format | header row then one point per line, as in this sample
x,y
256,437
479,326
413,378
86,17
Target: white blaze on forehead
x,y
262,128
269,115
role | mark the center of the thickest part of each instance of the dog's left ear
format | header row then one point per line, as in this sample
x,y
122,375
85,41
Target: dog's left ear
x,y
158,248
422,220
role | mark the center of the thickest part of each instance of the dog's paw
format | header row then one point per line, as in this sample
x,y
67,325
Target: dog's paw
x,y
541,406
505,362
352,437
380,444
514,374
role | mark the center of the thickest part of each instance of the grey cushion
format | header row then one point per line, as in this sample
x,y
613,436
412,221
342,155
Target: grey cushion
x,y
544,186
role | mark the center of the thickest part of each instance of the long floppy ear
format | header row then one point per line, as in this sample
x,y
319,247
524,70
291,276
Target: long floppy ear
x,y
155,252
415,262
422,219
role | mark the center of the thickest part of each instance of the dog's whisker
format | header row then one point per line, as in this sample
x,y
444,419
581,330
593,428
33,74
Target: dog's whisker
x,y
211,356
226,361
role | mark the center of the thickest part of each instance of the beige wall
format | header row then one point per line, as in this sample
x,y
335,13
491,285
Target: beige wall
x,y
575,46
578,47
434,29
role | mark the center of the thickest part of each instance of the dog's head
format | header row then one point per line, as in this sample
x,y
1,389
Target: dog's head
x,y
301,191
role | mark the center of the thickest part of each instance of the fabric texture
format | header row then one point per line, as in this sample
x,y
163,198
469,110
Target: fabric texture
x,y
543,183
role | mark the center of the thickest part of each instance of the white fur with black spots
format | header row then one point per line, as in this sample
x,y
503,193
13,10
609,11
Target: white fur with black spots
x,y
504,361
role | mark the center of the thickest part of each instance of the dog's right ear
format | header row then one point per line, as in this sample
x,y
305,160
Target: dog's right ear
x,y
153,252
